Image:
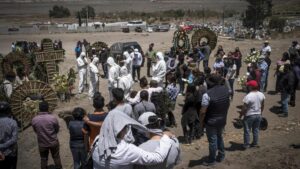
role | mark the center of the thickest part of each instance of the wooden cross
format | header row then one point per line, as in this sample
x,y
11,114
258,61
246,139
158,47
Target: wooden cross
x,y
49,56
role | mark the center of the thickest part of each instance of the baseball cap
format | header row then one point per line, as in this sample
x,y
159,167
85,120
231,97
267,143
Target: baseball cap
x,y
148,118
252,83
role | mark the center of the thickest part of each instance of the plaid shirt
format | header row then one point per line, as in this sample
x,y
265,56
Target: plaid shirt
x,y
172,91
8,136
263,66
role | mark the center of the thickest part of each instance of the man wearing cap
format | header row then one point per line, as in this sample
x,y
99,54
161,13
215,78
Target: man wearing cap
x,y
137,60
150,56
266,49
213,114
263,67
46,127
252,111
8,138
159,69
152,122
82,64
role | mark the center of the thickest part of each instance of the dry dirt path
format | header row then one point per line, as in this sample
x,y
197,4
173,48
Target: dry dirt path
x,y
274,152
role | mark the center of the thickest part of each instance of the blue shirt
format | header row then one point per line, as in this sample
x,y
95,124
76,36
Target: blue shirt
x,y
8,136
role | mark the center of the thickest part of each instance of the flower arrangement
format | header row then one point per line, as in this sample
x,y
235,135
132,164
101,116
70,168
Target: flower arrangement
x,y
60,83
252,58
242,81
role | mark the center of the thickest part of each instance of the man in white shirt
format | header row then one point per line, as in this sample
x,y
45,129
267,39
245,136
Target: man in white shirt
x,y
94,77
82,64
159,69
266,49
7,85
252,110
137,61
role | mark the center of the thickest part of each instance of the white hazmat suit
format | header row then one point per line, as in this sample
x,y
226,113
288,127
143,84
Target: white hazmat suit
x,y
94,77
125,81
113,75
128,62
82,64
159,69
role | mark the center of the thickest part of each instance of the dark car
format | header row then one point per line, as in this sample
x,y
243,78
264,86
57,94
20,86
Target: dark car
x,y
126,30
13,29
138,29
117,49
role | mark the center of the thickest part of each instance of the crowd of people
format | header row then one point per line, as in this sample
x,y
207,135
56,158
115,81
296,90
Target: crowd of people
x,y
134,133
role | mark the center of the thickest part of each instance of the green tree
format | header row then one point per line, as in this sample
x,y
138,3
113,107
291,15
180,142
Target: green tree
x,y
257,11
78,16
59,12
88,11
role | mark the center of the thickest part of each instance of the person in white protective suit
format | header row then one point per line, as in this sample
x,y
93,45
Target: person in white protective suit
x,y
128,62
94,77
113,75
125,81
82,64
159,69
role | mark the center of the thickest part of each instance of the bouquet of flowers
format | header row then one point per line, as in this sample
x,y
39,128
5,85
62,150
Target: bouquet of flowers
x,y
61,83
252,58
242,81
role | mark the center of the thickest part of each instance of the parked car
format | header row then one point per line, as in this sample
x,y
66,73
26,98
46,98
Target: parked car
x,y
138,29
149,29
13,29
117,49
164,27
126,30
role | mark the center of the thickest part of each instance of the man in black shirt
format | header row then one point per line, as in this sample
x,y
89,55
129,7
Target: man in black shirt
x,y
213,113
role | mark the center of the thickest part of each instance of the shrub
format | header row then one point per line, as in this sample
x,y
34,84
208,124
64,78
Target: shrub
x,y
59,12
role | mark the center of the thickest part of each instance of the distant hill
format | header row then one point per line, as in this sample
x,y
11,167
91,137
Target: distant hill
x,y
15,7
34,7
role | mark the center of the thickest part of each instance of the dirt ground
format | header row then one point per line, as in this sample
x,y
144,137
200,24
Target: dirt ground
x,y
274,152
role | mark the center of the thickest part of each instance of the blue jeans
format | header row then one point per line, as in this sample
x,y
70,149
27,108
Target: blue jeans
x,y
263,80
285,97
79,156
251,122
231,83
215,139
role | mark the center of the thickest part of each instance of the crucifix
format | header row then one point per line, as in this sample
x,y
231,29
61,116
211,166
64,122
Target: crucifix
x,y
49,57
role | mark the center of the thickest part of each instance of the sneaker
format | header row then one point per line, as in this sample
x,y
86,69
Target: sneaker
x,y
209,163
254,146
246,146
220,159
180,94
283,115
